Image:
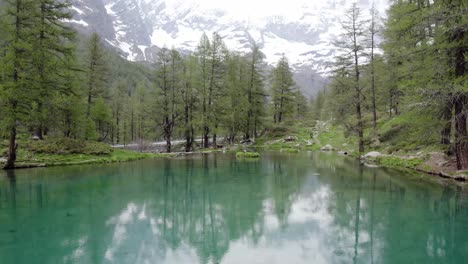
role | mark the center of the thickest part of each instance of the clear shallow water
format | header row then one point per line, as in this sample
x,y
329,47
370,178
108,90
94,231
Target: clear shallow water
x,y
284,208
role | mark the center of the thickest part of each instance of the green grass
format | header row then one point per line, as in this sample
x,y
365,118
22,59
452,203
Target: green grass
x,y
414,130
290,150
247,155
396,162
29,159
334,136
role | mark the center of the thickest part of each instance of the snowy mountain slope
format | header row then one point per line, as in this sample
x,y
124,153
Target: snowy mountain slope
x,y
300,29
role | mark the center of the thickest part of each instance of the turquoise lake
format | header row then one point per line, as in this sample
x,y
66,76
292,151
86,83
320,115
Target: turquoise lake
x,y
283,208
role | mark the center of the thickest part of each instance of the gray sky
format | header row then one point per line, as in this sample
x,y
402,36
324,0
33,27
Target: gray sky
x,y
289,9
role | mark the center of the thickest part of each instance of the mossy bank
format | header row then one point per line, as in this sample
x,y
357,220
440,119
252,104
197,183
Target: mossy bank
x,y
62,152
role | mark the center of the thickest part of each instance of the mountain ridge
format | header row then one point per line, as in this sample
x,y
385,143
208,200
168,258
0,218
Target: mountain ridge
x,y
139,28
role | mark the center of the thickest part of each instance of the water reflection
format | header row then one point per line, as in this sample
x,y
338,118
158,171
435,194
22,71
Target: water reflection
x,y
281,209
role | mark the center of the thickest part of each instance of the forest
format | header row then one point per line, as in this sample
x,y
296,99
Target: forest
x,y
402,79
51,87
57,83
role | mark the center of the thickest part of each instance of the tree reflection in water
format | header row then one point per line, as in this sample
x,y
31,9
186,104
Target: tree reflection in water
x,y
283,208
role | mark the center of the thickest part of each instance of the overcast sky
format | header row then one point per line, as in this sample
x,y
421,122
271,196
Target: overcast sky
x,y
266,8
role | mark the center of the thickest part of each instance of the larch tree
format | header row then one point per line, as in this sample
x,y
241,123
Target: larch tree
x,y
255,92
282,89
96,71
52,55
352,48
189,100
203,56
373,27
169,76
216,91
17,22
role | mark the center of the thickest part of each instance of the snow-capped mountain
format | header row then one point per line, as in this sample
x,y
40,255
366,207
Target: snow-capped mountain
x,y
301,29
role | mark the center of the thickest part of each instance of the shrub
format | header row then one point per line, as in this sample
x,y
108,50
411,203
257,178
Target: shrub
x,y
248,155
290,150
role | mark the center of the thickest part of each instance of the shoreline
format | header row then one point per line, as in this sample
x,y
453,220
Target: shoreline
x,y
415,163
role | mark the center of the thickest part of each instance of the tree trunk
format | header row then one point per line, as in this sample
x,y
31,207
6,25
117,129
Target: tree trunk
x,y
374,110
132,126
461,139
447,118
205,138
461,100
188,143
360,127
167,134
117,126
13,146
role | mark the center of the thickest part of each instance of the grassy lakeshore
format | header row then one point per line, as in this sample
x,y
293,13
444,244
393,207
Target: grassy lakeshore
x,y
401,142
64,152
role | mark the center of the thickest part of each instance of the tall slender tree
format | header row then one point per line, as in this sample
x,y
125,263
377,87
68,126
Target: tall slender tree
x,y
53,54
282,90
352,47
255,91
203,55
373,32
17,21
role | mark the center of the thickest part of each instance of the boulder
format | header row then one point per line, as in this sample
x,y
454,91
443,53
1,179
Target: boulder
x,y
246,141
290,139
372,155
327,148
343,153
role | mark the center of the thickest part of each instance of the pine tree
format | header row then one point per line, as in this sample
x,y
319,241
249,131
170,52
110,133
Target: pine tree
x,y
237,105
255,92
169,77
17,22
96,77
352,49
96,71
282,90
189,100
203,54
52,56
216,86
373,32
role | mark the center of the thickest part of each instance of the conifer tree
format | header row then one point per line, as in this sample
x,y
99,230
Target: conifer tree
x,y
17,22
255,92
352,48
203,54
282,90
96,71
96,77
189,100
52,57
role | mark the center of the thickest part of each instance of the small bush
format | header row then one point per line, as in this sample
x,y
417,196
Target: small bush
x,y
290,150
399,162
248,155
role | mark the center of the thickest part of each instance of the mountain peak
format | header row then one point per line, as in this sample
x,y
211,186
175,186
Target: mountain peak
x,y
303,30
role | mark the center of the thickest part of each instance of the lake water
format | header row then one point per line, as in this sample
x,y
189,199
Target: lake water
x,y
283,208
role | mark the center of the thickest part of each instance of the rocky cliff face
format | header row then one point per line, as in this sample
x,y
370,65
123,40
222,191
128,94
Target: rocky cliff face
x,y
138,28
